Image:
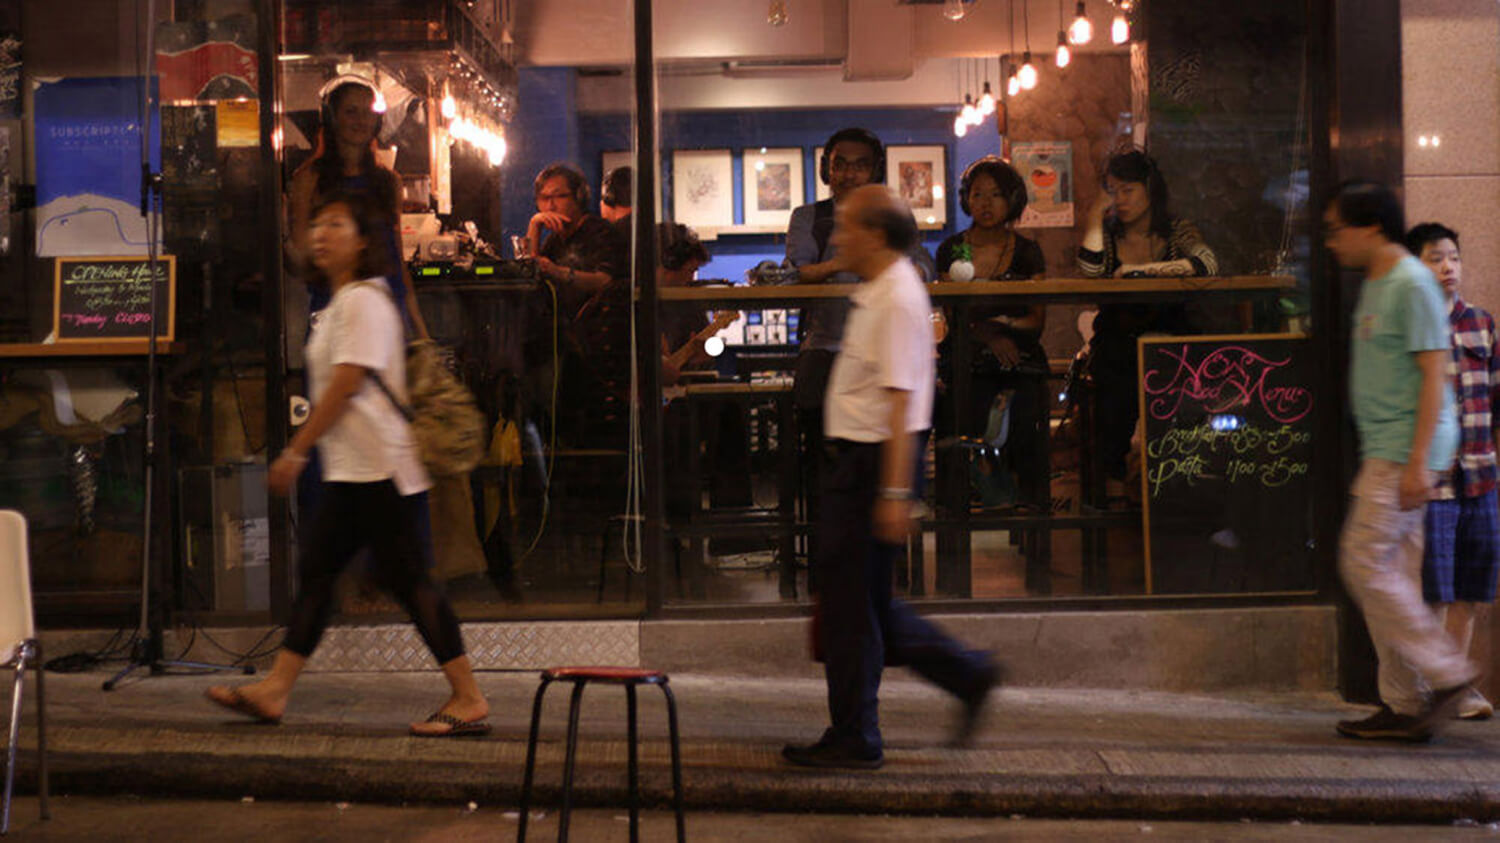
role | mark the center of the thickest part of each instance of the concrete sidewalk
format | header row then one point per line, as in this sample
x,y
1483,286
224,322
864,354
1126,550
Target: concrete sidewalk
x,y
1055,753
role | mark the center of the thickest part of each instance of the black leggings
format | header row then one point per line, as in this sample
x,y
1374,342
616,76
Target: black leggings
x,y
352,516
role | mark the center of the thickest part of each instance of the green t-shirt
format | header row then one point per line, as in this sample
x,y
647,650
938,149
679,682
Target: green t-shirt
x,y
1398,315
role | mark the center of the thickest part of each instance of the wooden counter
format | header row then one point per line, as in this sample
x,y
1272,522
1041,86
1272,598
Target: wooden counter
x,y
89,348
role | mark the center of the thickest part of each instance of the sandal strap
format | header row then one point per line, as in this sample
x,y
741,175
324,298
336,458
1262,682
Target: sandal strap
x,y
444,717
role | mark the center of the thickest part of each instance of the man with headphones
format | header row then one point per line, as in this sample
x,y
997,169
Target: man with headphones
x,y
581,252
852,158
614,199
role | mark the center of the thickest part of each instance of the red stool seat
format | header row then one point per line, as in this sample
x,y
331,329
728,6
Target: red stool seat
x,y
629,678
605,674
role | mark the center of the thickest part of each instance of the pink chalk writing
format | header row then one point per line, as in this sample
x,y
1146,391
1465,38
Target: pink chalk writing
x,y
84,320
1229,378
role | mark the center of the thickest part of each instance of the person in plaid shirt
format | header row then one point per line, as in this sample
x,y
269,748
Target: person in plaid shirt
x,y
1462,553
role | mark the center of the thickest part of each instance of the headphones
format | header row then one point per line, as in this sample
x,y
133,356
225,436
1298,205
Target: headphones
x,y
575,180
325,95
679,244
856,135
616,191
1012,185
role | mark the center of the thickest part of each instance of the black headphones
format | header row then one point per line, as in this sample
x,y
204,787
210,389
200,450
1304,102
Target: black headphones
x,y
856,135
575,179
616,189
1012,185
679,244
325,96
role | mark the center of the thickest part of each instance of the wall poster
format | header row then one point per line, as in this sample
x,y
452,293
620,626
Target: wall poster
x,y
773,186
88,166
1047,168
703,189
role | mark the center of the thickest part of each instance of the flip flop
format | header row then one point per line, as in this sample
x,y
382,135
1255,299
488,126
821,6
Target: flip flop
x,y
235,701
456,728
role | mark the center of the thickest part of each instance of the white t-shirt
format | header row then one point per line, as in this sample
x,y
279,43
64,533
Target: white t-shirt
x,y
887,344
371,441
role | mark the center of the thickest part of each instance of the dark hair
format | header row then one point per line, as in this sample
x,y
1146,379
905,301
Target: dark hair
x,y
1366,203
369,221
853,135
1427,232
616,191
894,222
1011,185
677,245
571,175
328,163
1138,167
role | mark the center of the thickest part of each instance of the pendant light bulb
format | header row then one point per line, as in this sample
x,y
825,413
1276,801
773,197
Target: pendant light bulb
x,y
1013,84
1081,31
954,10
1064,53
987,101
1027,74
960,126
450,107
1119,29
969,114
776,13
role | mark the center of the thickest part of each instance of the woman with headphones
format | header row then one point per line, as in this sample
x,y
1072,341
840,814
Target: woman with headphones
x,y
345,162
1008,353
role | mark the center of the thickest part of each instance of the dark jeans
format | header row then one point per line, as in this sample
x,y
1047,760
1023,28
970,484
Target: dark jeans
x,y
354,516
863,627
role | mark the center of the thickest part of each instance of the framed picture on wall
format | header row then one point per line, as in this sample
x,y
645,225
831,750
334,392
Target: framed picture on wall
x,y
919,174
773,186
821,190
614,158
703,189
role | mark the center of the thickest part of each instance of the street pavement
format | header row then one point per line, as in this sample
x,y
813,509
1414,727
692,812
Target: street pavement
x,y
1039,753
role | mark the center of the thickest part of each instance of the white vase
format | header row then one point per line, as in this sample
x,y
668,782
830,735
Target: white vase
x,y
961,271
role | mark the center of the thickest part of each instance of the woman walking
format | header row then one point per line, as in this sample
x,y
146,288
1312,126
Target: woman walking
x,y
372,474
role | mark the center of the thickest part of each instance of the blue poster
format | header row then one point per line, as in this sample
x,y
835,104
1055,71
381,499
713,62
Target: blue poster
x,y
88,166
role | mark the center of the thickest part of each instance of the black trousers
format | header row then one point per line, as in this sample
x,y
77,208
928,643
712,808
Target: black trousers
x,y
354,516
863,626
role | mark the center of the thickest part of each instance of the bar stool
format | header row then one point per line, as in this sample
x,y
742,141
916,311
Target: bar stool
x,y
629,677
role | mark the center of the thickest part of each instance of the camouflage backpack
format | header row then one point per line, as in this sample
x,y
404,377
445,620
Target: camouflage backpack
x,y
447,424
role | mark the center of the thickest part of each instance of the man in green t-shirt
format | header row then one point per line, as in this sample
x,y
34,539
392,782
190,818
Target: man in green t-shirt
x,y
1403,409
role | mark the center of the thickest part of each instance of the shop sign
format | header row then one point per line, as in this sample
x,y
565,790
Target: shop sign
x,y
109,298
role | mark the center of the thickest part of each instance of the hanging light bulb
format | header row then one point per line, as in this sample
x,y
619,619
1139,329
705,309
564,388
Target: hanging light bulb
x,y
776,14
986,100
1119,29
379,105
1013,84
1027,74
969,114
954,10
1081,31
1064,55
450,108
960,126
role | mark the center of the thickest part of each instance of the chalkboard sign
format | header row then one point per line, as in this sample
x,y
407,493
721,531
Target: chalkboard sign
x,y
109,298
1226,473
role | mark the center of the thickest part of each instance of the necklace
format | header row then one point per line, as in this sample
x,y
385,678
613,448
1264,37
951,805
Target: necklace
x,y
1003,260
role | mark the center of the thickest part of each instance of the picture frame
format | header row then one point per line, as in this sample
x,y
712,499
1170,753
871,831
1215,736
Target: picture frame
x,y
772,178
612,158
1047,169
703,189
821,190
919,174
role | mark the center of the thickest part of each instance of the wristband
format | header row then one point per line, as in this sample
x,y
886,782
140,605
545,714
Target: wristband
x,y
894,493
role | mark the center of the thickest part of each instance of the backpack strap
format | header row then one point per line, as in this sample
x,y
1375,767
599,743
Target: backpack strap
x,y
405,411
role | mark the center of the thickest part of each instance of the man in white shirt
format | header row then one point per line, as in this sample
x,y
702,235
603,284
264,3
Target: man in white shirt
x,y
876,416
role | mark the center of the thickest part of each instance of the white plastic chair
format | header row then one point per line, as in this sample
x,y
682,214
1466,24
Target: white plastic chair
x,y
19,647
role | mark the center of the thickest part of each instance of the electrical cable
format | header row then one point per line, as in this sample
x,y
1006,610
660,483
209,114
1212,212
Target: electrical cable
x,y
541,526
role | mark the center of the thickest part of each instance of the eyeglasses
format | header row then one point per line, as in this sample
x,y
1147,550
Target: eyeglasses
x,y
862,165
554,197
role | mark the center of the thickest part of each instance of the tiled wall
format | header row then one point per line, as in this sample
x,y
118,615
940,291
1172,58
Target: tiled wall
x,y
1451,71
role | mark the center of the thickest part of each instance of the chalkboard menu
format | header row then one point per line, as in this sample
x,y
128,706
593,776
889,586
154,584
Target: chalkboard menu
x,y
109,298
1226,472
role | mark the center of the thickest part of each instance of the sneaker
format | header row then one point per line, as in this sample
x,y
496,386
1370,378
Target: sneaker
x,y
1387,725
973,710
831,755
1474,706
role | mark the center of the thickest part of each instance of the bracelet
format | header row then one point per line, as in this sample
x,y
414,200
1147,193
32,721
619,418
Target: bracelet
x,y
895,493
295,457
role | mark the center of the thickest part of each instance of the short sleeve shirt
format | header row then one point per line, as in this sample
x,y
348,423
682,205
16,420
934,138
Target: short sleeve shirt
x,y
887,345
1399,315
371,441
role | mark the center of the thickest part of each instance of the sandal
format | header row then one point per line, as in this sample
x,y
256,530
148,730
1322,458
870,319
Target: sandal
x,y
232,699
456,728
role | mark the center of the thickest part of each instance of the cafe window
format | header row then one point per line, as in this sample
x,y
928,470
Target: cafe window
x,y
1131,419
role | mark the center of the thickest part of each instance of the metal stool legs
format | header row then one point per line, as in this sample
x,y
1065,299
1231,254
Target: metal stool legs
x,y
571,754
30,655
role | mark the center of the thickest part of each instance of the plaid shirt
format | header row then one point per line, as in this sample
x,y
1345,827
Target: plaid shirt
x,y
1475,369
